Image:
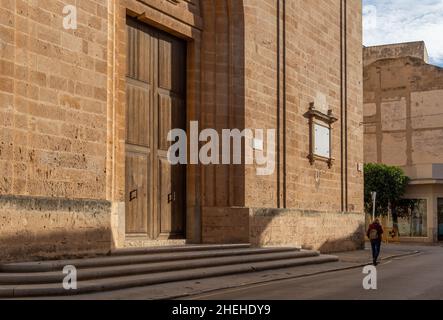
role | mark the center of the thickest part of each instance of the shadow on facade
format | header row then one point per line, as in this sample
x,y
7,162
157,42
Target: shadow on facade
x,y
326,232
355,241
40,228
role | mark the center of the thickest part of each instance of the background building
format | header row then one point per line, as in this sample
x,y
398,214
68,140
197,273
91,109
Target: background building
x,y
84,117
403,109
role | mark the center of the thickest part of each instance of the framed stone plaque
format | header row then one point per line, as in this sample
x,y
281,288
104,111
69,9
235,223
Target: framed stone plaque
x,y
320,127
322,141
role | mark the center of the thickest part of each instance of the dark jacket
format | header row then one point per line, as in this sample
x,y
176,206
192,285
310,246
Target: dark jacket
x,y
377,227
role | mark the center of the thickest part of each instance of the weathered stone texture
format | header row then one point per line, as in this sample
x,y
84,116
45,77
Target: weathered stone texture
x,y
397,50
34,228
225,225
53,100
63,104
311,42
339,231
403,102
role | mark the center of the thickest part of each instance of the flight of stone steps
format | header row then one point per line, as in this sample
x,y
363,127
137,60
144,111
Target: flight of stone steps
x,y
136,267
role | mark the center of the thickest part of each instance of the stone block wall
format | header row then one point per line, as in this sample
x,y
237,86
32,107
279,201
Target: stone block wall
x,y
314,230
251,64
294,55
395,50
53,100
402,106
225,225
53,130
403,99
44,228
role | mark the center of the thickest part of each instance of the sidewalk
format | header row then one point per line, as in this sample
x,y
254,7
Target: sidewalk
x,y
183,289
388,251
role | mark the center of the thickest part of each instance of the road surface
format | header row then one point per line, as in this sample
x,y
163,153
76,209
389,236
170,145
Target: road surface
x,y
414,277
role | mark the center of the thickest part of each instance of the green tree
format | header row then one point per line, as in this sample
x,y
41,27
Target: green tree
x,y
390,184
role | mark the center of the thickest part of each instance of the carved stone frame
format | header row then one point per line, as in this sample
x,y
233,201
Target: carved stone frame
x,y
327,120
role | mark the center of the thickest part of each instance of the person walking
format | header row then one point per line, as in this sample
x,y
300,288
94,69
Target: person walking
x,y
375,232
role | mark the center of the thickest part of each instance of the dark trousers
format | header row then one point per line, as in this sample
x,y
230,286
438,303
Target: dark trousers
x,y
376,247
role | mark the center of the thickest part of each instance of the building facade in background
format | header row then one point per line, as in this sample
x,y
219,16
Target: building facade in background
x,y
85,116
403,111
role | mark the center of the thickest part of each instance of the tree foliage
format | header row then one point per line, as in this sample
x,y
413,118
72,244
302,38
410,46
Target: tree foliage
x,y
390,184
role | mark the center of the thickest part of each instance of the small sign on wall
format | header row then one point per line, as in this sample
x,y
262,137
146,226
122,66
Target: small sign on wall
x,y
322,141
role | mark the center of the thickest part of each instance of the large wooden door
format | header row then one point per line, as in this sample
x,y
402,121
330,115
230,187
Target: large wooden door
x,y
156,87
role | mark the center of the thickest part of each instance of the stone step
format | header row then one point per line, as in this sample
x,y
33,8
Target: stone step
x,y
147,268
174,249
118,260
123,282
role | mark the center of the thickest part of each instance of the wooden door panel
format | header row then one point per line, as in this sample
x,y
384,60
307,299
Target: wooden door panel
x,y
170,87
164,121
139,52
178,69
156,86
137,114
138,160
138,191
178,179
137,195
178,187
178,109
164,63
165,196
172,63
172,207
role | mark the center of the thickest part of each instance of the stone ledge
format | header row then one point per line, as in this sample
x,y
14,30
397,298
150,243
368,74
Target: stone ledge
x,y
273,212
51,204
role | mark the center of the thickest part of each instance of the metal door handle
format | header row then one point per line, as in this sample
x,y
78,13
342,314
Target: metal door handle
x,y
133,195
171,197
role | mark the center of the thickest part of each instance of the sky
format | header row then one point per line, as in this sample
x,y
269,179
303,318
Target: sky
x,y
393,21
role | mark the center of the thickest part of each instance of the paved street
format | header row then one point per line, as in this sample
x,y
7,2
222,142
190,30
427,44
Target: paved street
x,y
413,277
403,274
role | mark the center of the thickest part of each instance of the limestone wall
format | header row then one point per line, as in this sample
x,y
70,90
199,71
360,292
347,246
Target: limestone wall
x,y
53,130
403,121
403,103
62,113
33,228
396,50
323,231
53,99
293,56
225,225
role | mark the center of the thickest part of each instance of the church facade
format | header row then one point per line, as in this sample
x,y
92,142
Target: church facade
x,y
89,95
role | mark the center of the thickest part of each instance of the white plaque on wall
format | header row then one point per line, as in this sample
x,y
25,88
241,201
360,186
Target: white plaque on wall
x,y
322,141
